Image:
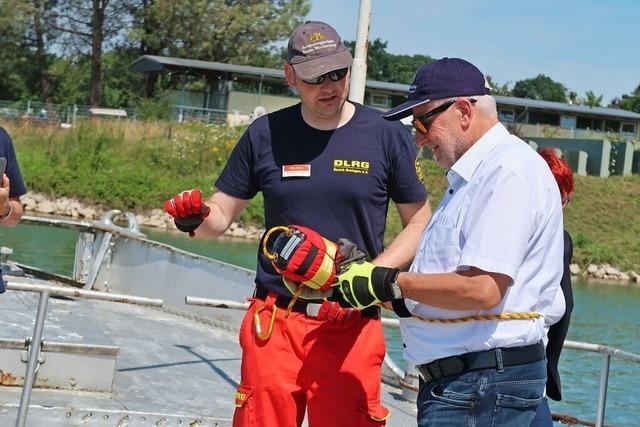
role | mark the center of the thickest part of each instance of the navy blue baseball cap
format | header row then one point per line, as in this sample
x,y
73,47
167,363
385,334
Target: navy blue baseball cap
x,y
444,78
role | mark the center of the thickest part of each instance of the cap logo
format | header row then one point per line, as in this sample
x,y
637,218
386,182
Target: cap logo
x,y
316,37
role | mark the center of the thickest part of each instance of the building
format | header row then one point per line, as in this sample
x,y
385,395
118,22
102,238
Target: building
x,y
214,91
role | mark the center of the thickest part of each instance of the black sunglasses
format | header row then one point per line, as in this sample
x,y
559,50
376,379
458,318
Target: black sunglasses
x,y
335,76
421,123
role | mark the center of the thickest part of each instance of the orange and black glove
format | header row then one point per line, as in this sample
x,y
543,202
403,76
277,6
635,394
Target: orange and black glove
x,y
188,210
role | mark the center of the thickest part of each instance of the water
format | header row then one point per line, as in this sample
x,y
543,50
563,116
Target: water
x,y
603,314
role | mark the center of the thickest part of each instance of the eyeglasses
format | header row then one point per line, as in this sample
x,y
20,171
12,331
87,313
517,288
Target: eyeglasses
x,y
421,123
335,76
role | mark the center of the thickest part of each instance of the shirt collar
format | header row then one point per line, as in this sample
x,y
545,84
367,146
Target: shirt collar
x,y
471,159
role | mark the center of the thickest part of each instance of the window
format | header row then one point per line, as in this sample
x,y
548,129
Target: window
x,y
506,115
540,118
629,128
583,123
612,126
379,100
597,124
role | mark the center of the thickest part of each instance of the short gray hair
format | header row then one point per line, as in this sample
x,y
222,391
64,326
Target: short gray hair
x,y
487,104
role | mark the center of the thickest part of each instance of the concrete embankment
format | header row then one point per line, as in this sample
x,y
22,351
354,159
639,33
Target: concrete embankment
x,y
40,204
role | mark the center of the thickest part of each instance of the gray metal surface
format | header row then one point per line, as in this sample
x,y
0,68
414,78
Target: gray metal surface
x,y
59,365
167,364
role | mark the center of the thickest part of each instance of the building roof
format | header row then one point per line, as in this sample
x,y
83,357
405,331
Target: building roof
x,y
150,63
566,108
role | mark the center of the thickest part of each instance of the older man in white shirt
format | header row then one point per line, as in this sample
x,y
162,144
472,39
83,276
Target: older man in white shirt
x,y
493,247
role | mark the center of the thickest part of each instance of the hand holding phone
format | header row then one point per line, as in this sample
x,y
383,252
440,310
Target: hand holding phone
x,y
3,165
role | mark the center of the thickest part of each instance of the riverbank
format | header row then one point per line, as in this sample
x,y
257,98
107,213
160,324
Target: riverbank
x,y
135,166
35,203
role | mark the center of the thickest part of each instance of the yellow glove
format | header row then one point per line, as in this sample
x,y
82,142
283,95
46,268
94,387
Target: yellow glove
x,y
364,284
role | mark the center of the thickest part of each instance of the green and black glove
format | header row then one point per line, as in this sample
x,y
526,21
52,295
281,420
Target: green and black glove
x,y
364,284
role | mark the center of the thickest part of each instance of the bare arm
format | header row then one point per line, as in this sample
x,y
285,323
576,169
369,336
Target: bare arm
x,y
9,206
474,289
224,210
400,253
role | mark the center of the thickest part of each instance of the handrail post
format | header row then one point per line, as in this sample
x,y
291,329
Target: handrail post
x,y
34,354
602,395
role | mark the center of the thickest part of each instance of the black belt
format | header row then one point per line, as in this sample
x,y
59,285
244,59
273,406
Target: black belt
x,y
301,305
487,359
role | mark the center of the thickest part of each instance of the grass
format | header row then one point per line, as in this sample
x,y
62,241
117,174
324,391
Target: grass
x,y
136,166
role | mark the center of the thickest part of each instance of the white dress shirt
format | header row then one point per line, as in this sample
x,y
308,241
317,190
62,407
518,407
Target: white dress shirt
x,y
501,213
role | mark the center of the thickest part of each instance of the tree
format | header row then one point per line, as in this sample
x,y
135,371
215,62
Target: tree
x,y
540,87
234,31
630,102
14,19
497,89
387,67
86,26
592,99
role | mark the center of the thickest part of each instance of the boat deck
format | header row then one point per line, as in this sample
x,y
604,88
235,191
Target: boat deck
x,y
169,370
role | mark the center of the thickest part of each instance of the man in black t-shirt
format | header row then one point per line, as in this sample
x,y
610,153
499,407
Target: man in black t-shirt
x,y
330,165
12,185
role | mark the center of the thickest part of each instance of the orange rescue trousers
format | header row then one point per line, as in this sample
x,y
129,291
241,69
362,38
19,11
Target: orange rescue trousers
x,y
328,364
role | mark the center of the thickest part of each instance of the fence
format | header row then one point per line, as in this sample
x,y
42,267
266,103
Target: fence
x,y
43,112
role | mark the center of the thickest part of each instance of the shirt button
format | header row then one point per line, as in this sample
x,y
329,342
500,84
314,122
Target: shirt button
x,y
450,191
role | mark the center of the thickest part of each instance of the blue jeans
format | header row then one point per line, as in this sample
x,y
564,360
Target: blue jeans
x,y
489,397
543,416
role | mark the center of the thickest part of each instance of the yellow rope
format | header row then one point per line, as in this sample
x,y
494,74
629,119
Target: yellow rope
x,y
293,300
499,316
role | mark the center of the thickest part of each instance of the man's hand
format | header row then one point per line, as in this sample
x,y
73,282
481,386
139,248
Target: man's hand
x,y
5,201
188,210
364,284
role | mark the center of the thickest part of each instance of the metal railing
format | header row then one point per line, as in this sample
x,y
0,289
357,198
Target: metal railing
x,y
43,112
36,340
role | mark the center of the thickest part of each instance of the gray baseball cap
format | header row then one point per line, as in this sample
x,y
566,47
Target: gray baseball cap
x,y
315,48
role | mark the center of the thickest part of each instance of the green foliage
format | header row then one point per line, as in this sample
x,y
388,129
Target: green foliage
x,y
592,99
497,89
152,109
121,86
630,102
14,17
70,80
219,30
540,87
128,166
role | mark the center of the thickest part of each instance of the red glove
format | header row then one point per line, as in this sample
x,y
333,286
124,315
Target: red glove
x,y
187,210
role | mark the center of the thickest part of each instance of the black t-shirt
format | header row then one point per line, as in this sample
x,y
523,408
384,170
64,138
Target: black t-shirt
x,y
336,182
12,170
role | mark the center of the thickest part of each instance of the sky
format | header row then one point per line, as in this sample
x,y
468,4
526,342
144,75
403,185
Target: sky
x,y
583,44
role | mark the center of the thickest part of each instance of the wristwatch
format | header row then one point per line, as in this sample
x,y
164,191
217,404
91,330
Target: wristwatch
x,y
395,288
